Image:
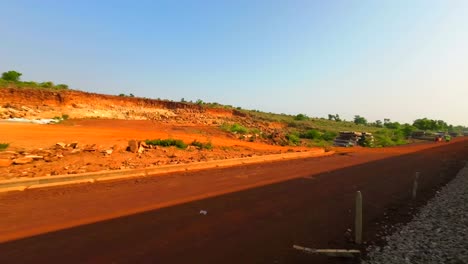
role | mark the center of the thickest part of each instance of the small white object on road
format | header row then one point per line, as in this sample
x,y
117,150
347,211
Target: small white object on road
x,y
203,212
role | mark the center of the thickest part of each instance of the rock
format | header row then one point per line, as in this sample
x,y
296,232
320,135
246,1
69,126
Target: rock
x,y
141,149
143,144
61,145
90,148
107,151
133,146
75,151
5,162
116,148
25,108
22,161
34,157
73,145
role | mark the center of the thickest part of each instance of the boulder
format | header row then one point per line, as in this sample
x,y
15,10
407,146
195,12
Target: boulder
x,y
133,146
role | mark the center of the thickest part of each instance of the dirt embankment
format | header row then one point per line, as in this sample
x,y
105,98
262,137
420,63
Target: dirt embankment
x,y
33,103
45,104
103,125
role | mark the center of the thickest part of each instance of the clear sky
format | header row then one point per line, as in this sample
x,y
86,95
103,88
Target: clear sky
x,y
380,59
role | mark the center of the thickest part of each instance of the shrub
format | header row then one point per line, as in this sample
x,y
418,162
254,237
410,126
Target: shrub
x,y
235,128
47,84
65,116
389,137
293,139
359,120
167,143
4,146
329,136
201,145
311,134
61,86
301,117
13,76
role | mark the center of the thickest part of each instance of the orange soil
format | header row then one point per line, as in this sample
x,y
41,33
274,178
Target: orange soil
x,y
111,132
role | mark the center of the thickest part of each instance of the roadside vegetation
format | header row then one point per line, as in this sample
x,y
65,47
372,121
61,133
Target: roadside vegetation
x,y
235,128
178,143
311,131
12,79
294,130
4,146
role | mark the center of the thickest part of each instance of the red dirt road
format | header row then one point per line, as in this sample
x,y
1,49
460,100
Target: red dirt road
x,y
258,213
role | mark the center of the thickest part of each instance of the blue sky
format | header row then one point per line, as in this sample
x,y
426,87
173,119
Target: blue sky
x,y
380,59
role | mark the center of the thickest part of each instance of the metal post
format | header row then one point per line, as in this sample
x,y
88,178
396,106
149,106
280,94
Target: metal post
x,y
358,219
415,184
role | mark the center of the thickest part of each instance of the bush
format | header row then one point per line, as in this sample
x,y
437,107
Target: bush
x,y
235,128
301,117
329,136
47,84
201,145
4,146
311,134
167,143
293,139
61,86
388,138
13,76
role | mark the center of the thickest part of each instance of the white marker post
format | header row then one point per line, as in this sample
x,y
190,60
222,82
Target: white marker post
x,y
358,219
415,184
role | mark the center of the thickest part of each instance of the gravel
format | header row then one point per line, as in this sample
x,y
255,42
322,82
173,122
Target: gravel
x,y
437,234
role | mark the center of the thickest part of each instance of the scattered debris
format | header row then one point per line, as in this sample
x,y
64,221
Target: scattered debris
x,y
37,121
23,160
90,148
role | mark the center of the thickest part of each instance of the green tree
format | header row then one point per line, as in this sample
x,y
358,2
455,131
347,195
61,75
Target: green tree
x,y
13,76
392,125
47,84
430,124
359,120
301,117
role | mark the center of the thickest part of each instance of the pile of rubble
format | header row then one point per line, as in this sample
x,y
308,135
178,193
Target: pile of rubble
x,y
55,153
